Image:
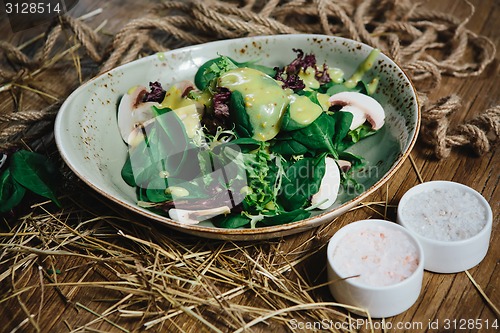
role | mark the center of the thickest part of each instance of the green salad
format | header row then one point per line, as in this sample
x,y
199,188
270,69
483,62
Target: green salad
x,y
247,145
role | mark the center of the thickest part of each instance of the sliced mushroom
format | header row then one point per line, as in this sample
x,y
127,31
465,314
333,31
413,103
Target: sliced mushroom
x,y
176,96
344,165
133,112
358,116
329,187
185,216
185,87
372,110
3,158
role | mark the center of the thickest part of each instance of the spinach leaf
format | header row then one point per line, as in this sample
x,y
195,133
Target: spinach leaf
x,y
356,161
356,135
252,64
311,94
343,121
245,144
165,152
163,189
144,172
286,217
211,70
240,116
167,142
288,124
141,194
156,190
127,172
286,145
36,173
11,192
143,162
301,181
231,221
158,112
318,135
361,132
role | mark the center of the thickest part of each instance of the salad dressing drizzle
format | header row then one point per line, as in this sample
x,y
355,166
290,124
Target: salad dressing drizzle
x,y
303,111
265,100
362,69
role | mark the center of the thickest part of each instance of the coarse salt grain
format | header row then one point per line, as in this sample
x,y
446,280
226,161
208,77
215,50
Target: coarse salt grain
x,y
446,215
376,256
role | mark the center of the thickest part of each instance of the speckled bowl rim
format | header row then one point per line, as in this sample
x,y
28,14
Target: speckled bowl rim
x,y
267,232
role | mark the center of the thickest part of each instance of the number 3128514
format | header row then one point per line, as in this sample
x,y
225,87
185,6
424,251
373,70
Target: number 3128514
x,y
462,324
32,8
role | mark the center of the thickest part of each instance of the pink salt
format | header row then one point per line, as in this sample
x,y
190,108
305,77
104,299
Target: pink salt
x,y
375,256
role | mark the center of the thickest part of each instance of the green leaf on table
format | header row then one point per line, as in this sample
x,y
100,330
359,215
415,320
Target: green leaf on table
x,y
11,192
36,173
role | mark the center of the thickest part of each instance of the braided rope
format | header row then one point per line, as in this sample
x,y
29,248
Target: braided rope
x,y
400,28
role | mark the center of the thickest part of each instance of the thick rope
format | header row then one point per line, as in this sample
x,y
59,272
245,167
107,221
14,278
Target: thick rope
x,y
401,28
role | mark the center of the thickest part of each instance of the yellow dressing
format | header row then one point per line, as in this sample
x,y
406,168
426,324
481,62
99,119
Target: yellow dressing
x,y
372,86
303,110
309,78
336,75
190,119
174,100
265,100
323,100
177,191
204,98
161,56
362,69
131,90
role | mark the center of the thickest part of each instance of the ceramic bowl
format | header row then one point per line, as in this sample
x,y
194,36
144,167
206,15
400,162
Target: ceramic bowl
x,y
443,255
379,301
89,141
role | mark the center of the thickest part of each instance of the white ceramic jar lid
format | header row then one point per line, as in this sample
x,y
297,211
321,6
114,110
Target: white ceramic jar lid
x,y
451,221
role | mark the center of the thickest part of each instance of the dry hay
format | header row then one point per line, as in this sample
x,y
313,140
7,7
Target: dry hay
x,y
154,277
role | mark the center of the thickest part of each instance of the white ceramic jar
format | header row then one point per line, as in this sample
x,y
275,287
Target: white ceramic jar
x,y
365,267
451,221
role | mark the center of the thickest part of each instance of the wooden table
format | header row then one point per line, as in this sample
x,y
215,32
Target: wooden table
x,y
445,299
